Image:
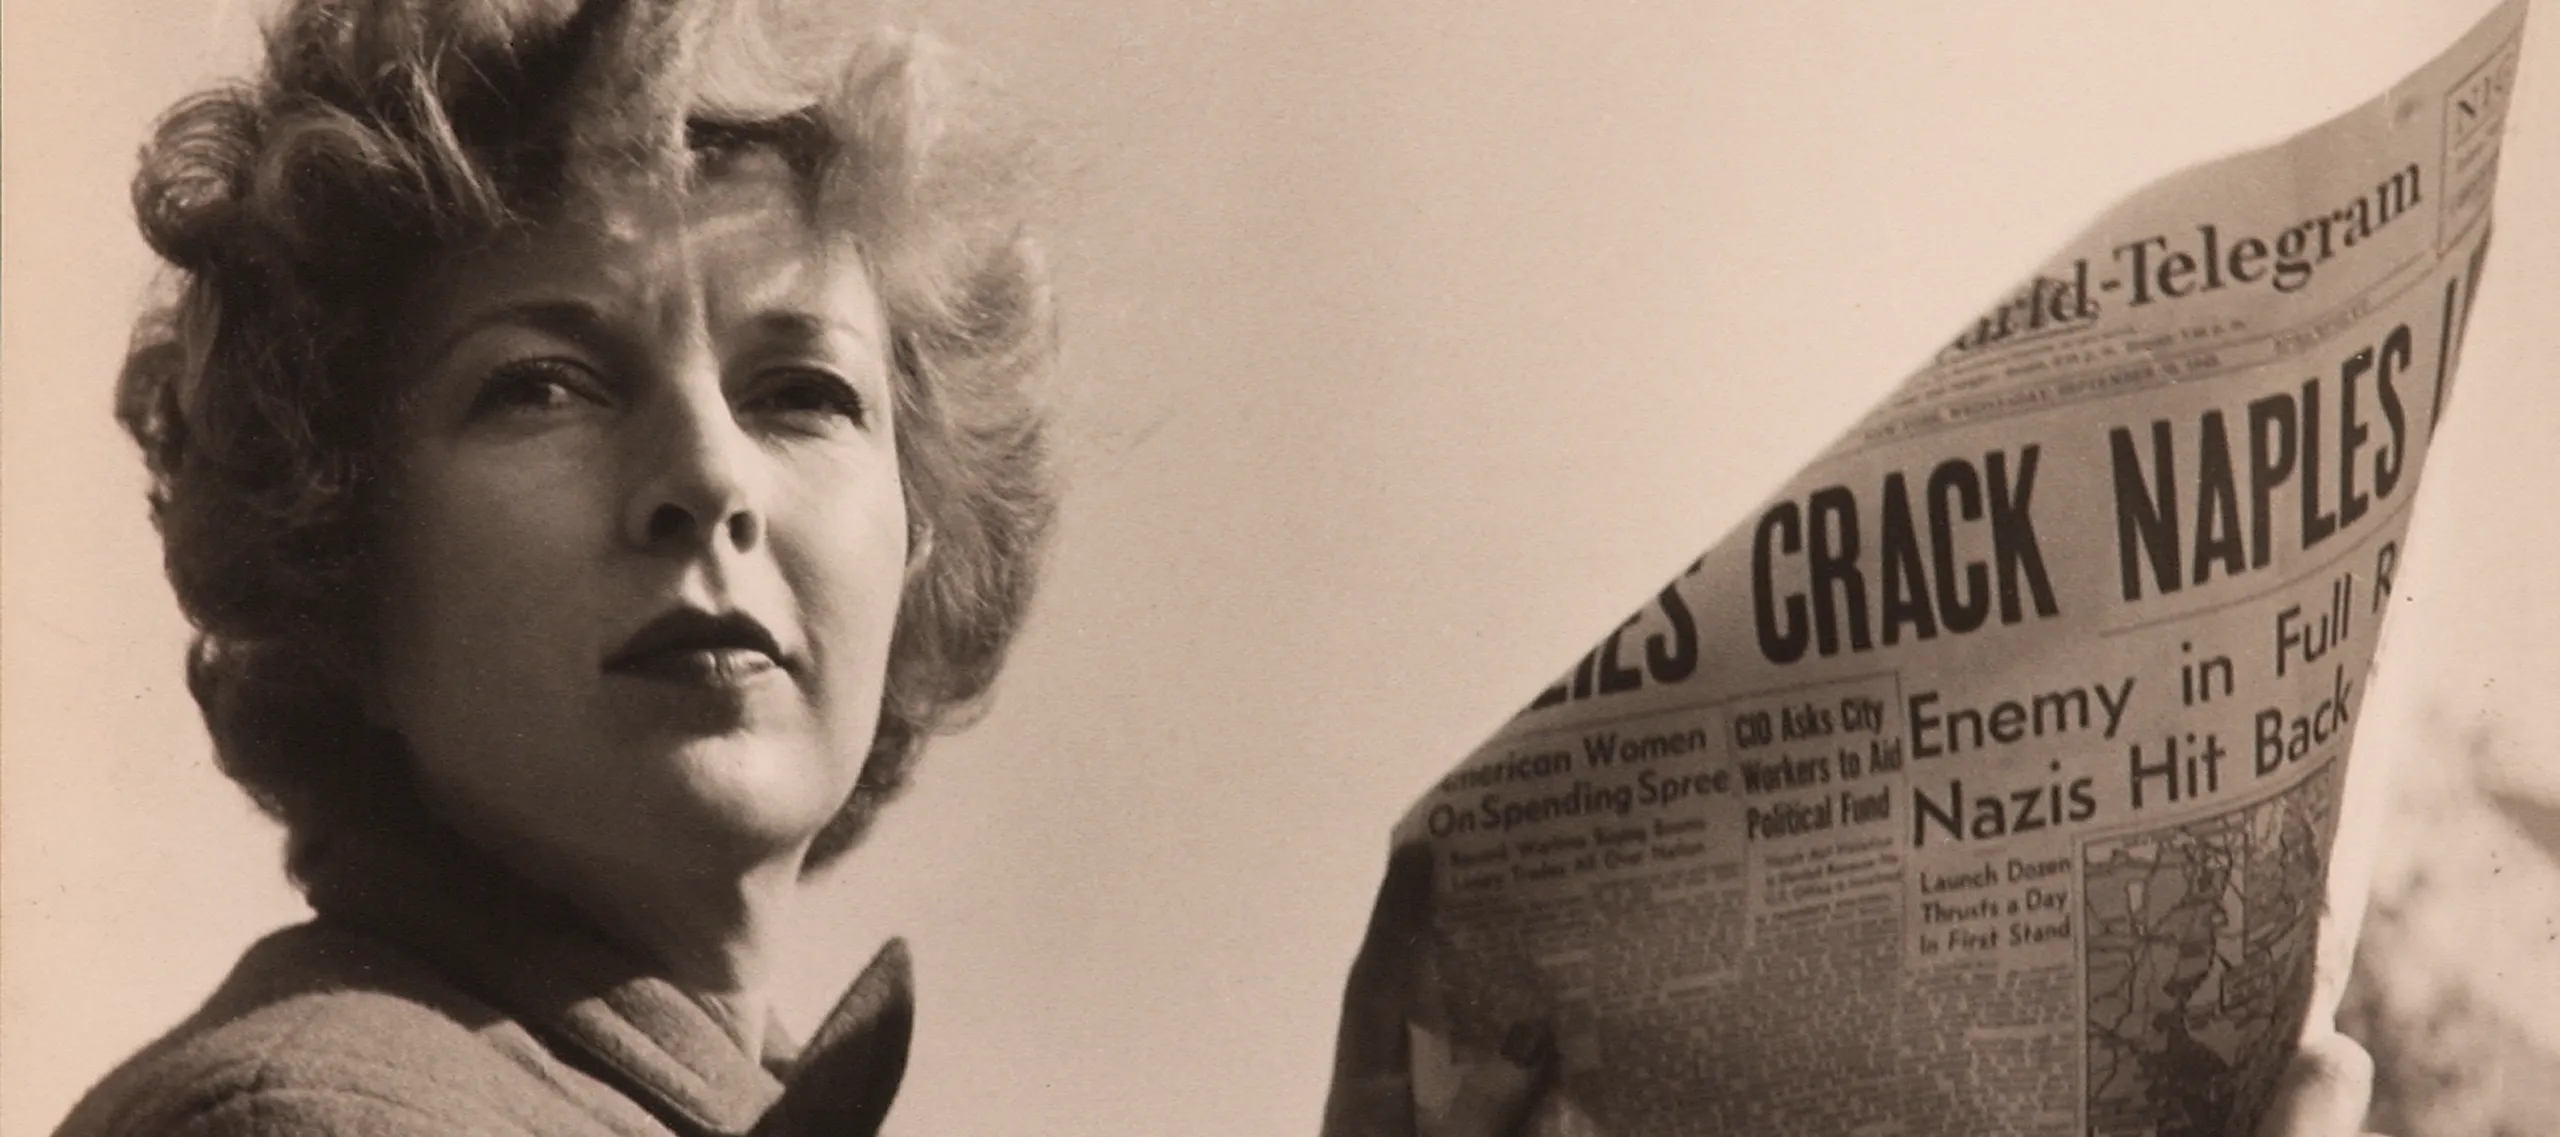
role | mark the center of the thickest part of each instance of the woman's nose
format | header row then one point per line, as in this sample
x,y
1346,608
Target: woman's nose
x,y
696,476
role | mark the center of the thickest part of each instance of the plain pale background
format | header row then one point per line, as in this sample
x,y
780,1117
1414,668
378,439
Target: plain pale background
x,y
1407,346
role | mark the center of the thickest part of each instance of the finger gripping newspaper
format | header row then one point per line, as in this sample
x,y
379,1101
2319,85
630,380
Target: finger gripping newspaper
x,y
1985,781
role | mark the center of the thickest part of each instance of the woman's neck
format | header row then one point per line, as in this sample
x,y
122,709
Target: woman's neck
x,y
718,936
713,926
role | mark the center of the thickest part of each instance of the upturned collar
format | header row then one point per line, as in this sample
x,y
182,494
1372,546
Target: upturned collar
x,y
534,957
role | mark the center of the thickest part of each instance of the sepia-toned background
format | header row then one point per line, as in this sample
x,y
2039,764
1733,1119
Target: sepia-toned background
x,y
1408,345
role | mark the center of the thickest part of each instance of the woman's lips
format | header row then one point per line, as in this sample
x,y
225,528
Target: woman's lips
x,y
692,646
715,667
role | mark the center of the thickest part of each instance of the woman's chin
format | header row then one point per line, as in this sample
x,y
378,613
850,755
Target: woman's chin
x,y
752,795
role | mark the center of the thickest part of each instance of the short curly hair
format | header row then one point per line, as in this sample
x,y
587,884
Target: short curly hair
x,y
299,212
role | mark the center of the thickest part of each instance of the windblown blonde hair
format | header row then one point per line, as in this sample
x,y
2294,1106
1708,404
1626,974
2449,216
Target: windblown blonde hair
x,y
383,137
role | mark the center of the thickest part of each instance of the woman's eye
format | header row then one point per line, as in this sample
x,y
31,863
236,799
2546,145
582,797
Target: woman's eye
x,y
808,395
536,386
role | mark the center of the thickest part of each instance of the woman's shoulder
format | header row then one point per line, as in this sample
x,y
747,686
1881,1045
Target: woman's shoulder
x,y
321,1030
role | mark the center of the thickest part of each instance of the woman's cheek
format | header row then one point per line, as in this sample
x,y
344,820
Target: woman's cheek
x,y
844,542
499,562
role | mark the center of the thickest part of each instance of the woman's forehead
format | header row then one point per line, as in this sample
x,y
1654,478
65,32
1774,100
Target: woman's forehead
x,y
736,247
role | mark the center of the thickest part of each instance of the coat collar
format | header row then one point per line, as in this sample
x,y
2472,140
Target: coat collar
x,y
533,957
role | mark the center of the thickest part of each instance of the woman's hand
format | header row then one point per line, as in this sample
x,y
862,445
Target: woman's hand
x,y
1372,1092
2325,1091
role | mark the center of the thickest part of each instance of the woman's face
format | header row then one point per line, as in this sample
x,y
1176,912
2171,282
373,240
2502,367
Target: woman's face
x,y
647,539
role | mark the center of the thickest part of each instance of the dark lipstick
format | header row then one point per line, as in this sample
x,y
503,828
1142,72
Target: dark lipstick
x,y
689,645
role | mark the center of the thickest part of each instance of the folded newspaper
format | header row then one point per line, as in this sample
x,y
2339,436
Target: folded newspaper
x,y
1985,781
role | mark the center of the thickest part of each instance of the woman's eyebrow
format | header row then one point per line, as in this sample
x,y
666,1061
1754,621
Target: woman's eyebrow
x,y
577,321
804,329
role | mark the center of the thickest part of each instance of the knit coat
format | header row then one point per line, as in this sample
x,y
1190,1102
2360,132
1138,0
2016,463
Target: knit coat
x,y
433,993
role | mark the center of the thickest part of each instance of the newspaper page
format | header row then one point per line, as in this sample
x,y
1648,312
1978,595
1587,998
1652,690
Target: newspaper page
x,y
1984,781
